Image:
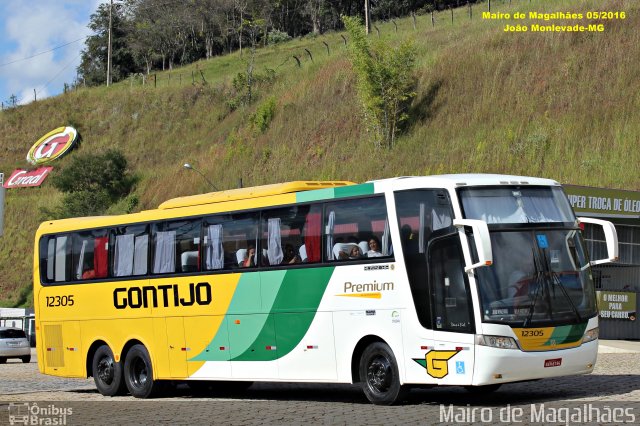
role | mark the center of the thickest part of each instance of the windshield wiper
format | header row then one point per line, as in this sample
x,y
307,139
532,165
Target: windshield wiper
x,y
538,274
557,282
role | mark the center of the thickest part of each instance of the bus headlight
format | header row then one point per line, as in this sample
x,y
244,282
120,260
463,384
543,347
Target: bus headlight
x,y
590,335
501,342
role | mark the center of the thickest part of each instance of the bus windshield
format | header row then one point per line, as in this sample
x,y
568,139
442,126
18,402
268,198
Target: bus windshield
x,y
499,205
539,276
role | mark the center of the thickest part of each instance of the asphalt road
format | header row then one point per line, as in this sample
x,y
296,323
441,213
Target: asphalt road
x,y
615,383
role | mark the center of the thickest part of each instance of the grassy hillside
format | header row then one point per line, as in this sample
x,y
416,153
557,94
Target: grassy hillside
x,y
564,106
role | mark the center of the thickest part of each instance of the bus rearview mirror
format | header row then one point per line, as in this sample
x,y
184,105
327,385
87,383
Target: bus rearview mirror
x,y
482,241
610,236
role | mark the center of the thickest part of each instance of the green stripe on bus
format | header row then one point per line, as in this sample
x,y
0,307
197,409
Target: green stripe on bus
x,y
338,192
292,313
567,334
295,292
354,190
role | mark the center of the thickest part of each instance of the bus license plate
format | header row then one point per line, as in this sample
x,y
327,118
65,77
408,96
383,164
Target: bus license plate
x,y
556,362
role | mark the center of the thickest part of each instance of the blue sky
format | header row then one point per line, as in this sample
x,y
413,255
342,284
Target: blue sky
x,y
29,27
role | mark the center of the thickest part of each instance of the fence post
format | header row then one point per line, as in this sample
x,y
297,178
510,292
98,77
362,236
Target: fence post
x,y
433,21
451,8
327,45
413,16
155,81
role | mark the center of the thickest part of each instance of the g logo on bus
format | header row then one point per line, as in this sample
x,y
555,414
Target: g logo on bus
x,y
437,362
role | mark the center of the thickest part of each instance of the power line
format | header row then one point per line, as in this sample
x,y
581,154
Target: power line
x,y
42,53
58,74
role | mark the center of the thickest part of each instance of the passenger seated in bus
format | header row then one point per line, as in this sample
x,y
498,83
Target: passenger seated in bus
x,y
374,247
349,252
249,260
290,256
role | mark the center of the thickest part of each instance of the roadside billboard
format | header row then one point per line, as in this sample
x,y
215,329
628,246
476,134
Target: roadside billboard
x,y
26,178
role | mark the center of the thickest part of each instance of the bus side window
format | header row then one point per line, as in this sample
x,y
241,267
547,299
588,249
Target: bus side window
x,y
227,240
130,248
354,225
55,258
176,246
90,254
286,233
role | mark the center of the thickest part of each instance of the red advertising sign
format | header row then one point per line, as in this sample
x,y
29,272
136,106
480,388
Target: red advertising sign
x,y
23,178
53,145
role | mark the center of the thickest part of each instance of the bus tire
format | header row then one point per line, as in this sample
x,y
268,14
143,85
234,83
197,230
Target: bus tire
x,y
3,360
107,373
138,373
380,376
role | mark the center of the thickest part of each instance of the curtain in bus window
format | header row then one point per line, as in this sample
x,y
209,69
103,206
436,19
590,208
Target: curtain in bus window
x,y
503,209
141,248
61,258
422,231
100,256
312,237
386,240
274,244
541,209
81,260
330,226
51,257
215,252
123,262
440,218
164,260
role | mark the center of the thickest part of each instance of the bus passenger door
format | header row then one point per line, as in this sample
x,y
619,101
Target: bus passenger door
x,y
177,347
451,360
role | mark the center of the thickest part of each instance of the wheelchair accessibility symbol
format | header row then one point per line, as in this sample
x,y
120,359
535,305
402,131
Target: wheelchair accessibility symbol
x,y
459,367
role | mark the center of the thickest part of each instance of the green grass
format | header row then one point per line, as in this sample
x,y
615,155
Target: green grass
x,y
564,106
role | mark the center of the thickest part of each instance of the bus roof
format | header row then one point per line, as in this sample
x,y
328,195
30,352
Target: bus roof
x,y
252,192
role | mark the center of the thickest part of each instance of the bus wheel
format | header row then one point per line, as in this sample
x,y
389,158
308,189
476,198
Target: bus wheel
x,y
107,373
380,376
138,373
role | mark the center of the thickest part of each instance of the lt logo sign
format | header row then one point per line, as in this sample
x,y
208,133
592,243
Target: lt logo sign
x,y
53,145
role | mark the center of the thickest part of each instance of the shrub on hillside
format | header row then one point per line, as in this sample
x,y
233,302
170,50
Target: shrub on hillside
x,y
264,114
276,36
91,184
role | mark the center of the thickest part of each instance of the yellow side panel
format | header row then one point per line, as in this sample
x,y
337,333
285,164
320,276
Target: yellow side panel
x,y
72,340
177,348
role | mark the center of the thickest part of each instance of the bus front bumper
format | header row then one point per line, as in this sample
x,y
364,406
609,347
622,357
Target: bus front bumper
x,y
495,365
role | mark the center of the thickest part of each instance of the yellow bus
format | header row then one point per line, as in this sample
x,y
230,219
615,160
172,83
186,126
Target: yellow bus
x,y
465,280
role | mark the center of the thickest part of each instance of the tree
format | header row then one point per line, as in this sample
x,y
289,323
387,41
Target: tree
x,y
93,64
385,81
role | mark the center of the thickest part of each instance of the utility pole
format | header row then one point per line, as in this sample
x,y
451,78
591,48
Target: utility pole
x,y
367,16
109,46
1,204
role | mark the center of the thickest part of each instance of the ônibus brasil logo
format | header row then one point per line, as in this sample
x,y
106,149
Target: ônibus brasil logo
x,y
53,145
